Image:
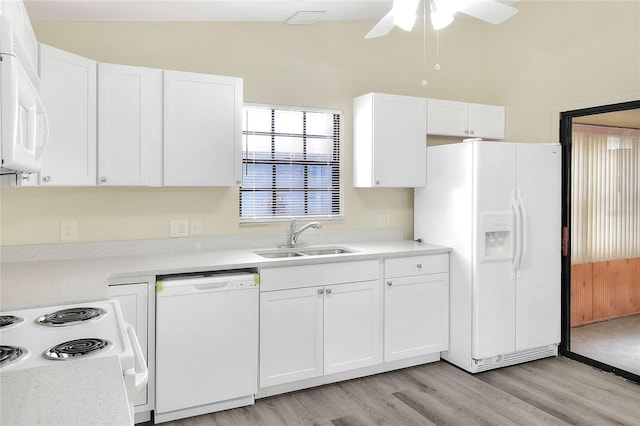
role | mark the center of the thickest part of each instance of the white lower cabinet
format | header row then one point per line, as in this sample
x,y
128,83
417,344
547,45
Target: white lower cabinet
x,y
291,335
321,329
137,302
352,326
416,306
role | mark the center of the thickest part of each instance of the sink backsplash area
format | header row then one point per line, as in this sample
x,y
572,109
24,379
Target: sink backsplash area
x,y
43,252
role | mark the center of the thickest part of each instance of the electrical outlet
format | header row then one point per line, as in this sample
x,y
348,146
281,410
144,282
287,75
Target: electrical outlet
x,y
383,220
179,227
195,226
68,230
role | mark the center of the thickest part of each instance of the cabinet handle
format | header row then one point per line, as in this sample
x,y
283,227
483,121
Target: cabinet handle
x,y
377,182
328,291
466,132
103,179
419,265
320,291
46,179
472,132
389,283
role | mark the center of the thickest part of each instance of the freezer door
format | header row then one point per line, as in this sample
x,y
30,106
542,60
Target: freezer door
x,y
538,285
493,303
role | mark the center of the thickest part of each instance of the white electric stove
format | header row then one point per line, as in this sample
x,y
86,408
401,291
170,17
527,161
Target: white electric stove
x,y
44,336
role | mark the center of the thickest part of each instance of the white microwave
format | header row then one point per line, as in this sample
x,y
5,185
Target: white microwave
x,y
23,122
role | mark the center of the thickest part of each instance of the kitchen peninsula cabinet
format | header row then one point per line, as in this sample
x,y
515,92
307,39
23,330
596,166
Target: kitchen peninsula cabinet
x,y
467,120
416,306
202,129
389,141
69,97
308,329
137,302
129,125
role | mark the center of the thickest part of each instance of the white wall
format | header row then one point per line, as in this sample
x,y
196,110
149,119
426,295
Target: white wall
x,y
550,57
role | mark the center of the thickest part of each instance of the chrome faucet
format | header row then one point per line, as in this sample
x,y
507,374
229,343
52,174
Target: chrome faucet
x,y
292,239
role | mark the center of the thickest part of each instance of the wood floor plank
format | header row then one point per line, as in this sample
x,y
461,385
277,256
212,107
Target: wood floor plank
x,y
553,391
484,403
379,402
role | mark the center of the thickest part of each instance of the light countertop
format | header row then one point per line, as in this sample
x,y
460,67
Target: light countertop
x,y
57,282
85,392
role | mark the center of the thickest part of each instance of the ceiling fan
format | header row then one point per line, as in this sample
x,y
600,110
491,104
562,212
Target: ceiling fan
x,y
403,14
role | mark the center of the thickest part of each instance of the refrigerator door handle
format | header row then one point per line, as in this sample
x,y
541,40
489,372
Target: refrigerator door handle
x,y
522,240
518,237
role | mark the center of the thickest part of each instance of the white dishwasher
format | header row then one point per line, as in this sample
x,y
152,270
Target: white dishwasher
x,y
206,344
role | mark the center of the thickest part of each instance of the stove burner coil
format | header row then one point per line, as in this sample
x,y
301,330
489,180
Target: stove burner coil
x,y
9,320
71,316
77,348
11,354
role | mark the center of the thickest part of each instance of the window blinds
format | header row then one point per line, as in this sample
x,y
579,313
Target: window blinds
x,y
605,194
291,164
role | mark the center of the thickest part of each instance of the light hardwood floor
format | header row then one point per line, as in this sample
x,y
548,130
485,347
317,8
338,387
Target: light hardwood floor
x,y
553,391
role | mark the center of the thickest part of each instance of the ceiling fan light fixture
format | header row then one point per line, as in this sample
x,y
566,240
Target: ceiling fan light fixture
x,y
405,21
440,20
440,16
405,13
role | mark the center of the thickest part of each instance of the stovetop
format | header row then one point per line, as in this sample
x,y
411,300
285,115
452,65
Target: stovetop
x,y
64,333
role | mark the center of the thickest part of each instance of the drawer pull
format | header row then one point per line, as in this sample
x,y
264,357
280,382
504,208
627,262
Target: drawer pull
x,y
320,291
389,283
419,265
328,291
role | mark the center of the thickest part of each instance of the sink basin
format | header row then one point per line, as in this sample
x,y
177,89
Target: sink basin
x,y
322,251
302,251
279,254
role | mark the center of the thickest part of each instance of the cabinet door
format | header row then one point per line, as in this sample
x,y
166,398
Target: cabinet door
x,y
416,316
69,97
446,118
400,141
129,118
133,299
290,335
202,129
486,121
352,326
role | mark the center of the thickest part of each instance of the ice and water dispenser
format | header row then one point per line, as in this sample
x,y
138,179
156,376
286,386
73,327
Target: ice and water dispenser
x,y
497,235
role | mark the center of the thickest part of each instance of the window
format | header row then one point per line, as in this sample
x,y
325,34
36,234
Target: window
x,y
605,188
290,164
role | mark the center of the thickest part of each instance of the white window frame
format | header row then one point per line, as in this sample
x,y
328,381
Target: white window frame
x,y
309,217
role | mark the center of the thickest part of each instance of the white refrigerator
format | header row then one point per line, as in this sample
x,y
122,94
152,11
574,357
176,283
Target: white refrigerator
x,y
497,204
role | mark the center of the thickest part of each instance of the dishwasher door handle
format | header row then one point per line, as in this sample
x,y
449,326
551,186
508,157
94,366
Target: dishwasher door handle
x,y
210,286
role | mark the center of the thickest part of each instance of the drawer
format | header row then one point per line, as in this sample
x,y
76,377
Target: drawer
x,y
318,274
416,265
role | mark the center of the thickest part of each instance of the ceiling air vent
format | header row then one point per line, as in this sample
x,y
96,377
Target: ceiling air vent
x,y
304,17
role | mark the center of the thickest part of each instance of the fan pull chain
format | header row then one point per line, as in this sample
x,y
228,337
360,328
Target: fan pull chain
x,y
437,66
424,40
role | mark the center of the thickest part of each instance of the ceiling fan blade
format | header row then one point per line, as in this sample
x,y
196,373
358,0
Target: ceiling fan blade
x,y
490,11
383,27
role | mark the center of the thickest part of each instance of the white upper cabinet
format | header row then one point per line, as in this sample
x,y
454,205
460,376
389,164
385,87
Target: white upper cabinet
x,y
202,129
129,125
451,118
69,96
389,141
